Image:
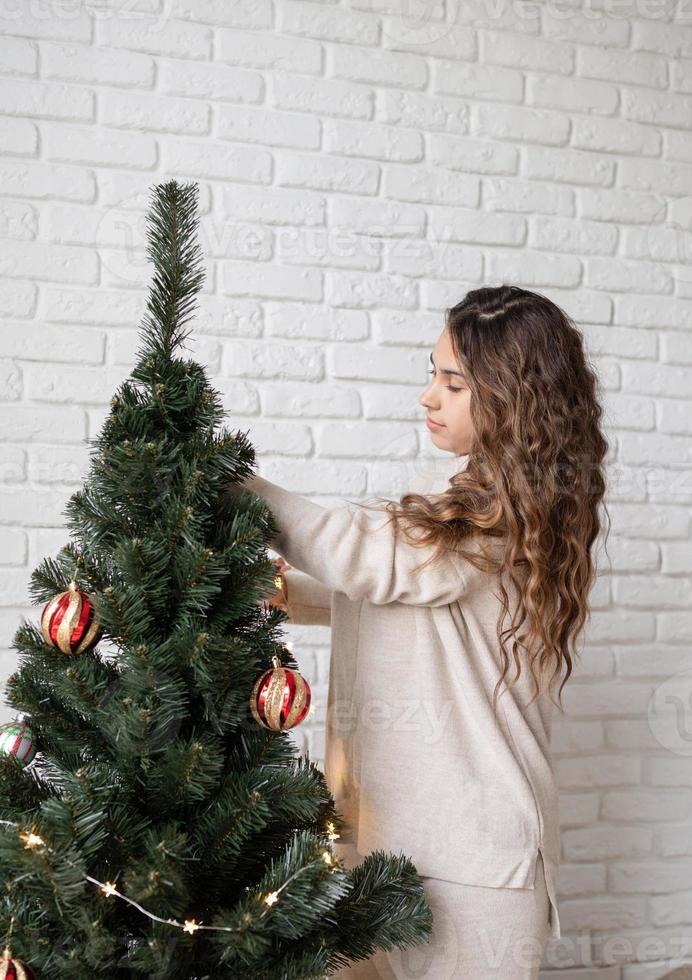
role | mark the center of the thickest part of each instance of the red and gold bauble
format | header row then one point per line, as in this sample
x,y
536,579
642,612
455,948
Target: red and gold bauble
x,y
280,698
13,969
68,622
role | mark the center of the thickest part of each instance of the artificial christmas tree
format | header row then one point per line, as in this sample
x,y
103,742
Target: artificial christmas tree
x,y
155,820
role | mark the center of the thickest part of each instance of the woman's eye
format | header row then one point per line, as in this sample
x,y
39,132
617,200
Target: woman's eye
x,y
449,387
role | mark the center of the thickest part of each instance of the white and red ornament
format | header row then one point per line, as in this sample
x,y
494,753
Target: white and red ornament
x,y
280,698
69,623
12,969
17,740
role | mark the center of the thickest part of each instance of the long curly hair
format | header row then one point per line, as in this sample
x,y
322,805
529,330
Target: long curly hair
x,y
527,502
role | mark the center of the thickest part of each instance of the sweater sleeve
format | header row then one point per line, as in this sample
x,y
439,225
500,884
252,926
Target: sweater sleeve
x,y
309,602
357,552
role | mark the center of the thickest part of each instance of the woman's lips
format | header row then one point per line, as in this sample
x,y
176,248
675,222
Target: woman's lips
x,y
433,425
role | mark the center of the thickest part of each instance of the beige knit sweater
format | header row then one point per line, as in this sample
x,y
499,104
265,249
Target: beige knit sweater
x,y
414,756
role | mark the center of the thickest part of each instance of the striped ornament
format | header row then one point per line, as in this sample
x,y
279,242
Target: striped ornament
x,y
68,622
17,739
280,698
11,969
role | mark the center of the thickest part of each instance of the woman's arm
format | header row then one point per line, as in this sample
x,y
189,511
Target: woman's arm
x,y
308,602
354,551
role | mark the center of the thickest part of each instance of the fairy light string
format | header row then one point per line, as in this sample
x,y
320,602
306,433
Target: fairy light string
x,y
190,926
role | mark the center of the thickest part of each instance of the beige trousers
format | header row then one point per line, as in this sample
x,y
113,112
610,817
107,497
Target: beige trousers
x,y
479,933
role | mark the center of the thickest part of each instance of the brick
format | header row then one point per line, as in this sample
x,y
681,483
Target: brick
x,y
442,260
487,82
25,423
507,48
391,218
18,137
18,219
568,166
211,81
520,124
329,96
36,341
317,172
306,400
272,128
372,140
672,40
329,24
67,465
573,235
58,263
580,26
102,147
525,196
272,205
10,380
274,361
70,385
370,291
47,100
615,136
600,842
533,268
378,67
419,111
652,175
44,505
307,321
265,50
18,56
376,439
153,113
46,181
251,14
620,275
435,186
377,364
156,35
211,159
12,464
611,697
97,65
636,67
467,154
13,546
260,279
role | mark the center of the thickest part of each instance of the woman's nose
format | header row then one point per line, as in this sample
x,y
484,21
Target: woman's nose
x,y
424,399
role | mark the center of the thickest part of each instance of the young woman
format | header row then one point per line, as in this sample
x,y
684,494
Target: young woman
x,y
432,749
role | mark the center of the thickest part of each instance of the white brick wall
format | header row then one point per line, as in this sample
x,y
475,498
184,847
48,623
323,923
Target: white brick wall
x,y
359,171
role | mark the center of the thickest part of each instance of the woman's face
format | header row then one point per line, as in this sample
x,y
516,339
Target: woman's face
x,y
447,400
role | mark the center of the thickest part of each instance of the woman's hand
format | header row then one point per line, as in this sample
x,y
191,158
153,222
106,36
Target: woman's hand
x,y
277,599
